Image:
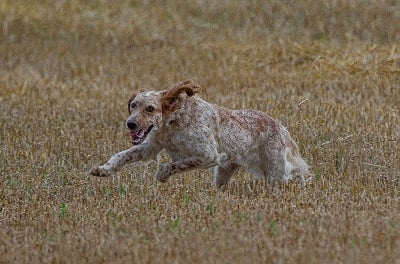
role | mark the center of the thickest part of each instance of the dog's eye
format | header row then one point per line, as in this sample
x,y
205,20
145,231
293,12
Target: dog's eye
x,y
133,105
150,109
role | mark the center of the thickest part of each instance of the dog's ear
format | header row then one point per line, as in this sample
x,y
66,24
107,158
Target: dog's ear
x,y
130,101
171,98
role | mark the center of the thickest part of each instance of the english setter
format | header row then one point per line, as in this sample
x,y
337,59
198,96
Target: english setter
x,y
197,134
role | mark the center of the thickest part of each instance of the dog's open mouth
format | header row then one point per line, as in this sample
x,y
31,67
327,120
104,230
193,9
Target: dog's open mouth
x,y
138,135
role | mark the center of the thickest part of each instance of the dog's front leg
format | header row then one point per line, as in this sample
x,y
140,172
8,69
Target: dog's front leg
x,y
167,169
116,162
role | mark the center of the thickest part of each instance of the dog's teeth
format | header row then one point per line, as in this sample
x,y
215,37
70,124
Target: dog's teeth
x,y
140,133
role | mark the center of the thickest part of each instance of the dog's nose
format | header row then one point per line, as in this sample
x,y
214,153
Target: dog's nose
x,y
131,125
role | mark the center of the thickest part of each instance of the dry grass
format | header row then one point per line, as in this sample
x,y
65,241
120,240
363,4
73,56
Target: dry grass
x,y
330,71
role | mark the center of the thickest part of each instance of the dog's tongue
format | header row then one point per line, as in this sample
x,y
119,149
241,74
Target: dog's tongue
x,y
137,134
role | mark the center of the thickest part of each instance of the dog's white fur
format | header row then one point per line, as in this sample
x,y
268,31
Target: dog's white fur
x,y
198,134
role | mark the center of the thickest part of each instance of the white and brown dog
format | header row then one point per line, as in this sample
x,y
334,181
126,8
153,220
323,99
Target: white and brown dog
x,y
197,134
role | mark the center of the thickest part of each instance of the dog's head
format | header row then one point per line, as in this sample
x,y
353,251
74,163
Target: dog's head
x,y
148,109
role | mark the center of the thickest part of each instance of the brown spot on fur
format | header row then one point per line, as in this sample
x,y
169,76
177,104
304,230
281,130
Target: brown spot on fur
x,y
249,120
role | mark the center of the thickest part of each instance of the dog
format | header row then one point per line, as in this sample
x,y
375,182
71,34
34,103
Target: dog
x,y
199,135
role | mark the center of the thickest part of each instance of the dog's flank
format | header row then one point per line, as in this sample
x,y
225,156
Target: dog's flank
x,y
197,134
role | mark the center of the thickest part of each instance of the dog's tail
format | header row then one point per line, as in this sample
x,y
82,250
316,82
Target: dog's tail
x,y
296,166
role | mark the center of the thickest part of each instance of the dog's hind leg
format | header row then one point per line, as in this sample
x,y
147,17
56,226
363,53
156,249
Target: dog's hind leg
x,y
222,175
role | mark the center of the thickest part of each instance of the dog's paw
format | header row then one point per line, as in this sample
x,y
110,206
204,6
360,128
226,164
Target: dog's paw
x,y
163,173
98,171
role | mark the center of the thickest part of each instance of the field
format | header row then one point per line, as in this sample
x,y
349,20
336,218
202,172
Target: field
x,y
329,70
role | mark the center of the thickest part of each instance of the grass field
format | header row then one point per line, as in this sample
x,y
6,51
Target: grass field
x,y
329,70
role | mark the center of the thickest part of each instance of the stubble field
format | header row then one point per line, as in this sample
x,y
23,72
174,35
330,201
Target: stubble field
x,y
329,70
